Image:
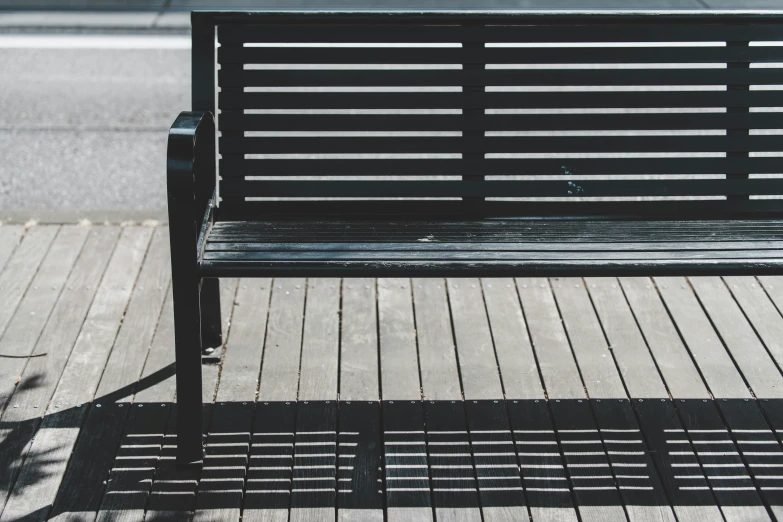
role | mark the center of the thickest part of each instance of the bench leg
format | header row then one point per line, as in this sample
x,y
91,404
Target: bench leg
x,y
187,334
211,333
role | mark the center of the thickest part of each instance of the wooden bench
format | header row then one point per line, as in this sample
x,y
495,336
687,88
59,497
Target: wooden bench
x,y
403,144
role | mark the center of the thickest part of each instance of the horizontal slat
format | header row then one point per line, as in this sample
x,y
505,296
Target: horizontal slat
x,y
593,30
496,77
495,55
496,100
479,257
235,187
233,167
369,245
238,121
523,144
238,209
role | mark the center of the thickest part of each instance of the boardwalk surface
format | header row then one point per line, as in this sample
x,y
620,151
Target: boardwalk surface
x,y
600,399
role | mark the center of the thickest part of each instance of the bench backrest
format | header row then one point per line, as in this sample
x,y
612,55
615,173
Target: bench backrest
x,y
497,114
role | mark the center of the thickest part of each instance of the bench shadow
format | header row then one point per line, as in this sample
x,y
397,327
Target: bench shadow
x,y
263,459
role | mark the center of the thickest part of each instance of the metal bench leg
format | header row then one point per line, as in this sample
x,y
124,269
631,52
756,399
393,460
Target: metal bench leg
x,y
211,333
187,333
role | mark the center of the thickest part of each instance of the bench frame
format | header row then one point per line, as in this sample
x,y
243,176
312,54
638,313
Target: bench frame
x,y
191,177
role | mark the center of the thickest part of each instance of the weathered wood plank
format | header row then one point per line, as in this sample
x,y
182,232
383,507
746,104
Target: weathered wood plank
x,y
40,374
22,267
726,473
130,476
454,483
101,434
359,341
500,492
702,341
587,465
20,338
282,351
54,441
360,460
739,338
172,494
314,486
680,374
222,481
634,472
760,311
555,361
241,366
516,361
542,470
10,238
632,357
268,490
404,441
650,400
760,450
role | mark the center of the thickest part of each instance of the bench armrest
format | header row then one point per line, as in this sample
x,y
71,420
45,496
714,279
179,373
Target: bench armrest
x,y
190,177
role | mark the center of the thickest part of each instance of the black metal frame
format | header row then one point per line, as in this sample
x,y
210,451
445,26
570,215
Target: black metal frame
x,y
192,182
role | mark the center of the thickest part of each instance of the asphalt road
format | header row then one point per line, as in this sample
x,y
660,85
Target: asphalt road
x,y
83,119
84,129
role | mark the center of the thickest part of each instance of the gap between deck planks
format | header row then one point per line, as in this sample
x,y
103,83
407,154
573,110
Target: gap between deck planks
x,y
501,398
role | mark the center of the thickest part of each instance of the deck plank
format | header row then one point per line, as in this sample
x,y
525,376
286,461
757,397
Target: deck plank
x,y
20,338
222,481
406,467
759,370
727,475
10,238
588,468
173,491
746,349
653,408
635,473
268,490
22,267
39,375
313,494
542,471
500,486
360,461
139,426
57,435
82,488
452,471
760,311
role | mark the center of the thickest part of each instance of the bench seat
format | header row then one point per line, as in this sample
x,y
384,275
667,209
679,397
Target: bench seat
x,y
361,247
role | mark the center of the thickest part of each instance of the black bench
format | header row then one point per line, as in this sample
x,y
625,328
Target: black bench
x,y
469,144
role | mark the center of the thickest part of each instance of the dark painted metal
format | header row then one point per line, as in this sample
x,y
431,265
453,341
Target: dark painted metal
x,y
190,153
215,235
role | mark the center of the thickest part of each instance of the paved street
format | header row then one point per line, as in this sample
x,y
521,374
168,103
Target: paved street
x,y
86,98
85,128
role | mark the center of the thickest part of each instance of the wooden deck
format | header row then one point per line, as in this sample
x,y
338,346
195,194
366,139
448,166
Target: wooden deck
x,y
385,400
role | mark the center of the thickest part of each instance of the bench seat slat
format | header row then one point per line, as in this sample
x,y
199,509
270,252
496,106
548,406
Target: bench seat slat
x,y
358,247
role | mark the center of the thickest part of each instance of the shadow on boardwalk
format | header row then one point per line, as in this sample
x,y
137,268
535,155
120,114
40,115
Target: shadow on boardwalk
x,y
377,455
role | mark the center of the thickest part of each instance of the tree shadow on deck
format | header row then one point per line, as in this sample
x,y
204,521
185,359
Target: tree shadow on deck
x,y
260,458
